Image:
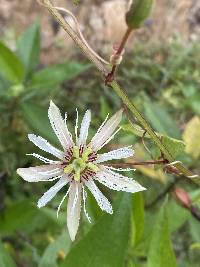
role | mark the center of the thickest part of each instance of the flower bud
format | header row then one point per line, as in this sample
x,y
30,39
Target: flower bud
x,y
138,12
182,197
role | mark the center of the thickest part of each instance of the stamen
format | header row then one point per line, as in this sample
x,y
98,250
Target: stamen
x,y
68,169
76,152
81,150
93,167
87,151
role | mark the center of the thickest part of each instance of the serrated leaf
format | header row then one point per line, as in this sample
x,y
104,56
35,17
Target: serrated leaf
x,y
161,252
106,243
49,258
191,136
37,119
54,75
28,47
10,66
5,258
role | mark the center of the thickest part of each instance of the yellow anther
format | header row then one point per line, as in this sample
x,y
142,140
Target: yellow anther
x,y
68,169
93,167
76,152
86,153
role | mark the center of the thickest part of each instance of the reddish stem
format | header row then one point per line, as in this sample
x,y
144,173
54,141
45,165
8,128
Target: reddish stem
x,y
110,76
141,163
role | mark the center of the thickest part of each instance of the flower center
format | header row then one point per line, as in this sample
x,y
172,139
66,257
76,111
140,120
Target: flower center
x,y
80,163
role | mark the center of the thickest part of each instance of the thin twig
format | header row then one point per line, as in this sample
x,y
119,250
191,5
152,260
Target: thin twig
x,y
111,75
139,163
118,90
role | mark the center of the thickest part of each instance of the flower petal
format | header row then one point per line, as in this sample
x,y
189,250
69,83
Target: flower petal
x,y
84,205
45,160
52,192
84,128
117,181
121,153
59,126
74,209
102,201
40,173
106,131
45,146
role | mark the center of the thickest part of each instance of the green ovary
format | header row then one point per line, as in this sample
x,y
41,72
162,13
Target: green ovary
x,y
80,163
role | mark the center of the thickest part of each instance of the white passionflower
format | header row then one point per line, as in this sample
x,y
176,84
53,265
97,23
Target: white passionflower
x,y
79,165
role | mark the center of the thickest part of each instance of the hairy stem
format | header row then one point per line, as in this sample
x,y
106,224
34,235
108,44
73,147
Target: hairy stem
x,y
116,87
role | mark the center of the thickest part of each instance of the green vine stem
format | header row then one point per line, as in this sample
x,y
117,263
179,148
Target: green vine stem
x,y
118,90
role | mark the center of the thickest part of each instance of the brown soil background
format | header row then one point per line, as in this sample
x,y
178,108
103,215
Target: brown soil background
x,y
102,22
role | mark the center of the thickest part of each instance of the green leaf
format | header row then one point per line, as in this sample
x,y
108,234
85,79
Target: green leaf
x,y
37,119
191,136
138,12
17,216
54,75
174,146
134,129
49,258
161,119
10,66
137,217
177,216
161,252
28,47
194,230
106,243
194,103
5,259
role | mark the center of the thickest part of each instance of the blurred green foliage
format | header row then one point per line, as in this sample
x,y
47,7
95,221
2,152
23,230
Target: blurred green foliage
x,y
163,79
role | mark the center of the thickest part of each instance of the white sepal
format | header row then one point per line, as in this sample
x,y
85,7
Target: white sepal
x,y
74,209
106,131
120,153
84,128
59,126
52,192
117,181
45,146
102,201
39,173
